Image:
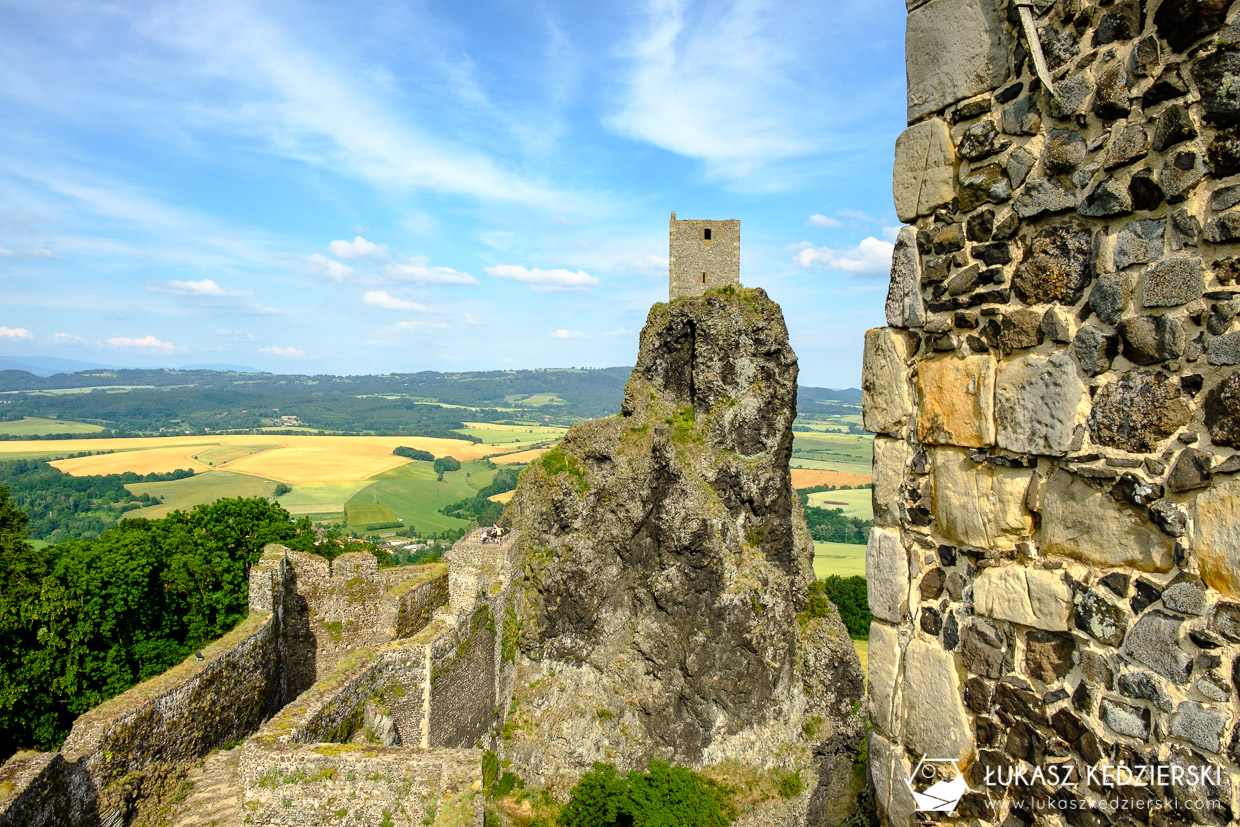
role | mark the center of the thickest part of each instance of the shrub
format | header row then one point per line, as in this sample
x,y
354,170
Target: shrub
x,y
665,795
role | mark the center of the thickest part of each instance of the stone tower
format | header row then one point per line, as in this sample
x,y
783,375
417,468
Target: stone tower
x,y
1054,570
702,255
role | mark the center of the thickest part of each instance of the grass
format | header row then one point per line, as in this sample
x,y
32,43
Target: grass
x,y
844,559
520,457
311,498
536,400
35,425
362,514
414,495
222,454
199,489
832,451
855,503
512,436
863,652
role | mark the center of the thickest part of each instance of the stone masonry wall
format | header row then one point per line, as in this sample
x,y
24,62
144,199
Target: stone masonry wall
x,y
691,254
1055,564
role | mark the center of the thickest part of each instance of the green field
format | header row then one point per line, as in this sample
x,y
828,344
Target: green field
x,y
197,490
854,503
832,451
35,425
363,514
844,559
537,400
414,495
315,499
512,435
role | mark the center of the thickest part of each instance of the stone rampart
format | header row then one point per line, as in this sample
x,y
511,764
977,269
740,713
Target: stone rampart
x,y
35,790
1053,570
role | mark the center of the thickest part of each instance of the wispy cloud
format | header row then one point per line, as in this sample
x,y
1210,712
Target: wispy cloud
x,y
358,248
144,343
16,334
381,298
421,325
545,281
567,334
67,339
6,253
419,269
236,335
205,287
283,352
819,220
321,265
870,258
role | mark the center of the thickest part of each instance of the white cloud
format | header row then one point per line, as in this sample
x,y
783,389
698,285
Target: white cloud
x,y
284,352
857,215
236,335
145,343
419,270
619,331
20,334
420,325
871,257
545,281
205,287
67,339
381,298
321,265
7,253
819,220
358,248
567,334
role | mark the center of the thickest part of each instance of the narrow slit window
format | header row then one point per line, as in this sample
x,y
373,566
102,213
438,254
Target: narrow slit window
x,y
706,233
704,275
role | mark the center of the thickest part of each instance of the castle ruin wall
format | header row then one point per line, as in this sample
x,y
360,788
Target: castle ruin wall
x,y
1054,569
702,255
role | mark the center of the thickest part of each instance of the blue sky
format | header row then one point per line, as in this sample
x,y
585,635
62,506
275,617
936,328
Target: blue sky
x,y
324,187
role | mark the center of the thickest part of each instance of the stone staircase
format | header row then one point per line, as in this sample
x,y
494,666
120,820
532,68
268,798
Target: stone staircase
x,y
215,800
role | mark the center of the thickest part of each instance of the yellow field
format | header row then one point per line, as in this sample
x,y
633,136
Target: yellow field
x,y
807,478
520,456
501,498
293,458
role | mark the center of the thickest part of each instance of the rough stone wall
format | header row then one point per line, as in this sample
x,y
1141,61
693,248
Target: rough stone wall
x,y
35,790
463,699
1054,569
697,264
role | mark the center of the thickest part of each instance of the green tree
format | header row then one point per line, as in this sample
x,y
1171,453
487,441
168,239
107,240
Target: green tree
x,y
665,796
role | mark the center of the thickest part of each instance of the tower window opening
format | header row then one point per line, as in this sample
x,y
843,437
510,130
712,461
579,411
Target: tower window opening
x,y
704,275
706,234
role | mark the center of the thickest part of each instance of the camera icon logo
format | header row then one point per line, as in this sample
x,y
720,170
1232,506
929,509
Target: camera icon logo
x,y
937,785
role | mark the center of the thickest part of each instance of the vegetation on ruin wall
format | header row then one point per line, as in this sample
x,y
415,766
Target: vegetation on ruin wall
x,y
83,621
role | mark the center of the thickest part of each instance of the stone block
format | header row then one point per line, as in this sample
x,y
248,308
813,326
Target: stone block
x,y
883,677
1155,641
1224,350
887,575
889,770
904,305
1139,242
979,506
924,175
1132,721
1199,725
956,401
1216,536
1222,411
1056,266
1081,522
891,459
1139,411
1173,281
934,718
1039,402
1030,597
886,404
953,49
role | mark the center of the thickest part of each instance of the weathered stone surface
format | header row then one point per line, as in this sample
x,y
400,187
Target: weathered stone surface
x,y
1222,412
1129,143
887,405
1056,266
1048,655
1155,641
1173,281
1081,522
1223,228
1020,329
1111,93
1019,162
1139,242
889,770
1021,117
1224,153
1145,192
1183,230
887,572
1185,596
924,176
1064,151
1140,410
1070,96
1030,597
1123,22
1039,402
1182,22
884,673
1100,618
891,459
1180,175
1190,471
1174,126
935,720
956,401
1224,198
987,184
1132,721
1216,75
1216,536
1170,518
979,506
953,49
1224,350
1110,296
1057,325
1149,340
982,649
904,306
1107,199
979,140
1199,725
1146,686
1095,349
1135,491
1042,196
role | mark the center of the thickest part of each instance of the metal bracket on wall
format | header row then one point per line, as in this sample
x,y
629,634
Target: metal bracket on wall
x,y
1025,7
